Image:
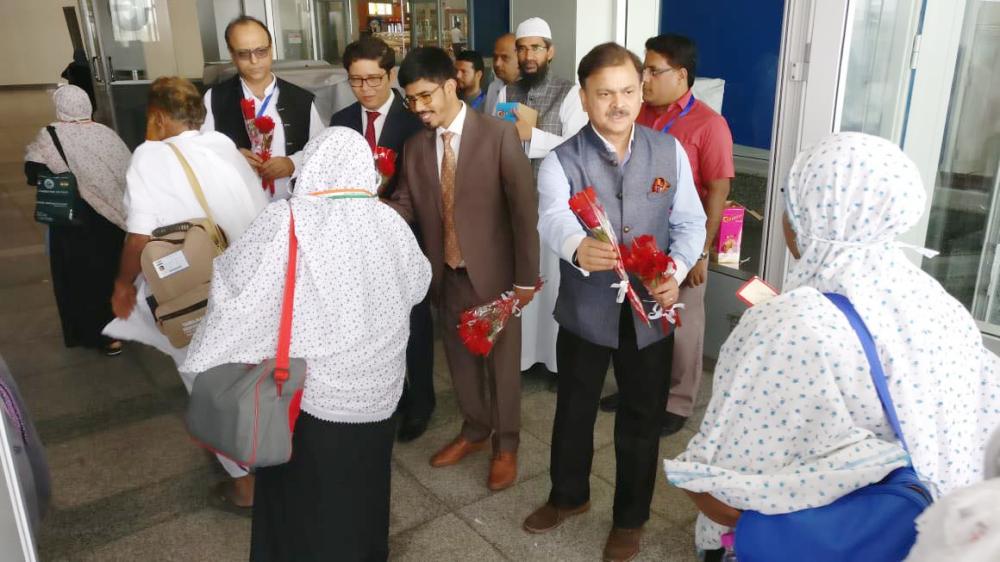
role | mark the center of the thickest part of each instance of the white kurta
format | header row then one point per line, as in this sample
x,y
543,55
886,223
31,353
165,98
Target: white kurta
x,y
158,194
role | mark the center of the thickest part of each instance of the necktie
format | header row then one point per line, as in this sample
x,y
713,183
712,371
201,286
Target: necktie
x,y
370,129
452,253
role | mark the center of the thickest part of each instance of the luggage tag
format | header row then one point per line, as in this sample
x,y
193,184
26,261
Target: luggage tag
x,y
756,291
171,264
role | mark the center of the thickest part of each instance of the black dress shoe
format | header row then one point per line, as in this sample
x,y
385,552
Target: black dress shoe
x,y
411,428
672,423
609,403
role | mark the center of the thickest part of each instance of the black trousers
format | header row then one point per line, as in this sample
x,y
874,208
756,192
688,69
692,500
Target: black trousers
x,y
417,400
643,383
331,500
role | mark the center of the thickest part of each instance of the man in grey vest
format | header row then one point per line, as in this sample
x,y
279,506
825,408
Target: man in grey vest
x,y
548,113
643,179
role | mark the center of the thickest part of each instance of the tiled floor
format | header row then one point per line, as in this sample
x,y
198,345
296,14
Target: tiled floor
x,y
129,485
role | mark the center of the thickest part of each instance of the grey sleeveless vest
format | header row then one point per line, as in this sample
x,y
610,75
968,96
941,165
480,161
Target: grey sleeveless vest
x,y
586,305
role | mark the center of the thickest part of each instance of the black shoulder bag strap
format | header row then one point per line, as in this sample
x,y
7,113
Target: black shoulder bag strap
x,y
55,140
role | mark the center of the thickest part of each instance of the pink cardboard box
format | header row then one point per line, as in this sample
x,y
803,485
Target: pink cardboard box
x,y
730,235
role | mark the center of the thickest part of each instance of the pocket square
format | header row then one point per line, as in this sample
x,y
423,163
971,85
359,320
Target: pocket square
x,y
660,185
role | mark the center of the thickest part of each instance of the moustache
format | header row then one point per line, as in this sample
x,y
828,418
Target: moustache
x,y
616,112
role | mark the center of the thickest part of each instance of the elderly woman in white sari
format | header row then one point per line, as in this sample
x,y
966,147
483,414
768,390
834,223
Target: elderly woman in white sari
x,y
359,273
158,193
84,258
795,421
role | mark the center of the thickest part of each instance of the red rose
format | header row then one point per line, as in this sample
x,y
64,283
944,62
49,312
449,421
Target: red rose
x,y
585,205
385,160
247,105
264,124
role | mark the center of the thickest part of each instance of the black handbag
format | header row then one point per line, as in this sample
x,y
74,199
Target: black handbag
x,y
57,199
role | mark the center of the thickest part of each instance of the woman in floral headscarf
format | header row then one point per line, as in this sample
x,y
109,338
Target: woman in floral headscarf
x,y
794,421
359,273
84,259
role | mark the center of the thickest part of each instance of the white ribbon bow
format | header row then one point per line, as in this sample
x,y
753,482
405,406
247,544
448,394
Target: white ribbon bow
x,y
671,315
622,287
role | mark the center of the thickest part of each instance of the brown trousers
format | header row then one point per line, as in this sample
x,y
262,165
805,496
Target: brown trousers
x,y
488,388
689,351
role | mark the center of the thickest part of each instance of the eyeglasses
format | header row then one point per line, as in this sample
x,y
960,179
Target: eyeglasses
x,y
652,71
371,81
259,52
535,49
424,98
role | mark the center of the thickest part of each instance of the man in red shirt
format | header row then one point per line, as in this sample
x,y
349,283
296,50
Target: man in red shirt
x,y
669,106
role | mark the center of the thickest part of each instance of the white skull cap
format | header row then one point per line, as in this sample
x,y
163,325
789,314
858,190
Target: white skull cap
x,y
534,27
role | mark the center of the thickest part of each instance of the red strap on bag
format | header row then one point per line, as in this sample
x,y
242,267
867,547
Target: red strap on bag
x,y
285,329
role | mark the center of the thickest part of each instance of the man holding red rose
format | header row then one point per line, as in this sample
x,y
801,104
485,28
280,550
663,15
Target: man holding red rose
x,y
380,116
290,108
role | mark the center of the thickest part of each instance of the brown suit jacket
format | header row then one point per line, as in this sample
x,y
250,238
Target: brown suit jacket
x,y
496,205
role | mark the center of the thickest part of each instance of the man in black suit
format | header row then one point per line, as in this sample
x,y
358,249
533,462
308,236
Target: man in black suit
x,y
379,115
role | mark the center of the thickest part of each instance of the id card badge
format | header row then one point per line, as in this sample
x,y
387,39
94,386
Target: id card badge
x,y
505,111
756,291
170,264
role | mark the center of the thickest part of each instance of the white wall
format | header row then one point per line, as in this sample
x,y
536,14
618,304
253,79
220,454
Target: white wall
x,y
34,40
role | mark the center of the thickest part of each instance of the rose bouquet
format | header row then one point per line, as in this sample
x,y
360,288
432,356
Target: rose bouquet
x,y
480,326
652,266
261,133
589,210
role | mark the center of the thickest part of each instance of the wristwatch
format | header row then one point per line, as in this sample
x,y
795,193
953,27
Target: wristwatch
x,y
575,261
703,256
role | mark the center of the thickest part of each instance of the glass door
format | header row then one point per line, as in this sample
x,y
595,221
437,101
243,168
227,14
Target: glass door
x,y
923,73
98,65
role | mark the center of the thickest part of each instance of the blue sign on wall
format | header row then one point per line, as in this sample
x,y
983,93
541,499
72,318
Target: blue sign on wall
x,y
737,41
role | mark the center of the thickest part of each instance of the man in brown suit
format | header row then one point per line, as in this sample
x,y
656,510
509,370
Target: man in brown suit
x,y
468,186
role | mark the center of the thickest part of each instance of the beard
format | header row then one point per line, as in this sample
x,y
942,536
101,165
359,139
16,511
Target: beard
x,y
530,80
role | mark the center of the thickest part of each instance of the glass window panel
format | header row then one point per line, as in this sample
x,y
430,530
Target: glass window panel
x,y
878,68
965,211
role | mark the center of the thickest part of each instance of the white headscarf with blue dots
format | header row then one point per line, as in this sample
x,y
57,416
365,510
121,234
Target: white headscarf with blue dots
x,y
794,421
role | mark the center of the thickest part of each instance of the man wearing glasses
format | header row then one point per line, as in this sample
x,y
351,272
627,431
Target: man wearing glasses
x,y
379,115
548,112
670,106
467,185
291,107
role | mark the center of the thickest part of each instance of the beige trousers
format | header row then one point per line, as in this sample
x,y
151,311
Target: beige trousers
x,y
689,347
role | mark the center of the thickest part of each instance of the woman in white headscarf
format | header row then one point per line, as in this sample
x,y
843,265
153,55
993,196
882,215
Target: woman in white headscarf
x,y
359,273
794,421
84,259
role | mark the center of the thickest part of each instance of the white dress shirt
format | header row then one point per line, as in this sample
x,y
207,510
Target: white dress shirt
x,y
316,126
573,118
380,120
562,232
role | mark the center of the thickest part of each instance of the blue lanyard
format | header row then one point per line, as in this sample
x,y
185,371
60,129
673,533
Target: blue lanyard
x,y
685,111
263,106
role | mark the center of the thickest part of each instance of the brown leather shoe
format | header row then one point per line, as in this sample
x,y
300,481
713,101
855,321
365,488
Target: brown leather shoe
x,y
548,517
456,450
622,545
503,471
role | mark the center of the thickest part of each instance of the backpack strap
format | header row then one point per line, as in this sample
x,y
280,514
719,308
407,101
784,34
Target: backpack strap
x,y
218,237
877,373
55,141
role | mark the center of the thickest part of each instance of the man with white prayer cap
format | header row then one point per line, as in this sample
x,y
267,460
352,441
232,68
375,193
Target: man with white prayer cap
x,y
548,112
